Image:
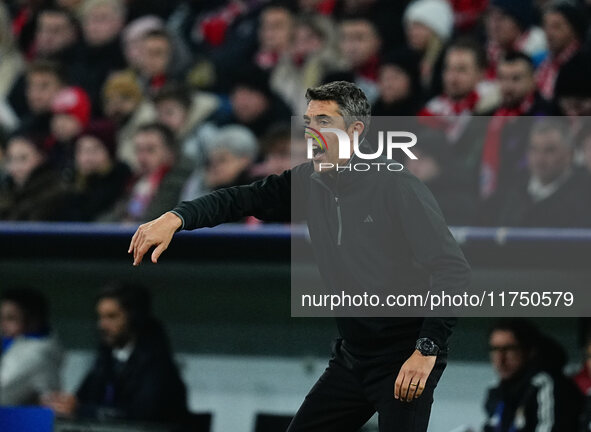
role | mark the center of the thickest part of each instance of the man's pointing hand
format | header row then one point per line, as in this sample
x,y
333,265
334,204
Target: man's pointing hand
x,y
157,233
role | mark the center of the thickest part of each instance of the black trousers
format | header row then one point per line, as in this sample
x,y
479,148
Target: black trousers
x,y
353,388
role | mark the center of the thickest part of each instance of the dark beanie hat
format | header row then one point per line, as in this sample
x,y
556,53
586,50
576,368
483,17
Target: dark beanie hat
x,y
521,11
254,78
576,17
573,78
104,131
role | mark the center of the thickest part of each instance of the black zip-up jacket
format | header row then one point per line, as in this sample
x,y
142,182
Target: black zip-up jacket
x,y
408,244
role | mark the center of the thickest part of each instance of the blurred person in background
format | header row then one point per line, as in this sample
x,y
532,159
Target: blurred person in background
x,y
503,154
550,193
583,377
360,44
565,27
33,190
277,152
312,55
572,90
532,393
160,176
184,112
509,27
102,22
134,376
100,180
133,34
73,6
275,32
31,355
71,110
11,60
156,60
399,85
126,106
230,156
428,26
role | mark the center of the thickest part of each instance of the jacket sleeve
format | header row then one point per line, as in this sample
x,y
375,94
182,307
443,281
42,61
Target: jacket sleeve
x,y
433,247
267,199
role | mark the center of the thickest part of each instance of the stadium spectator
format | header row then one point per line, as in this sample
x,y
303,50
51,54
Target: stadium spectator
x,y
510,27
275,35
126,106
33,189
71,114
134,376
280,151
505,144
532,393
31,354
428,25
399,85
184,113
100,180
565,27
160,177
229,159
156,60
550,193
312,55
360,45
583,376
133,35
572,90
467,14
12,63
586,149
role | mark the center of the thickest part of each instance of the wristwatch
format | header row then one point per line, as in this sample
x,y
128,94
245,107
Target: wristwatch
x,y
427,347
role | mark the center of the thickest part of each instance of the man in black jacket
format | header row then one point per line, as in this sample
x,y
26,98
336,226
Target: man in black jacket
x,y
384,364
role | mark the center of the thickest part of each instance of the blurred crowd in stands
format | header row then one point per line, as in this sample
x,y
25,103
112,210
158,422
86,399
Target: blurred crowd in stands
x,y
115,110
134,376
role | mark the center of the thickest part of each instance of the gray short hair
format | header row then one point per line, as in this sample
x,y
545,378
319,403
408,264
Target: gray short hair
x,y
543,125
238,140
352,102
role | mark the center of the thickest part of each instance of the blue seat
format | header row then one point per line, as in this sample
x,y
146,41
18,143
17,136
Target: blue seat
x,y
29,419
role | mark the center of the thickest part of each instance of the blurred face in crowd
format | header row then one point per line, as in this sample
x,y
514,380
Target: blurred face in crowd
x,y
91,156
41,89
359,41
418,36
461,73
113,323
276,29
119,107
151,152
506,355
12,319
306,41
394,83
156,54
172,113
223,167
559,33
65,127
574,106
548,155
326,114
22,159
426,168
102,24
70,4
516,80
501,28
586,147
248,104
54,33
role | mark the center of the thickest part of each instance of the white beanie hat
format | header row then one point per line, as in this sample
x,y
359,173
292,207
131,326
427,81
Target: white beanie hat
x,y
435,14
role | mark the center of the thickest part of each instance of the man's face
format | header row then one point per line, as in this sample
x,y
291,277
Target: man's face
x,y
516,80
113,323
461,73
118,107
101,25
12,320
22,159
91,156
359,42
151,152
501,28
506,355
306,42
574,106
326,114
248,104
172,113
41,89
65,127
54,33
156,54
418,35
394,83
224,167
558,31
548,155
276,30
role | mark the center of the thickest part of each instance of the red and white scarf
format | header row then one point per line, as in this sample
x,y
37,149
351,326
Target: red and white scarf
x,y
548,70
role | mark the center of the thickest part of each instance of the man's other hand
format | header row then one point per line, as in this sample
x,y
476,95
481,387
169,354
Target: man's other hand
x,y
156,233
413,375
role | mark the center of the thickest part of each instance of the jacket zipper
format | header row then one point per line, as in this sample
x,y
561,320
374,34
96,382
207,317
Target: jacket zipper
x,y
340,221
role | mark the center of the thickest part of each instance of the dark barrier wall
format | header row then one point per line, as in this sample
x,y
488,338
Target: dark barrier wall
x,y
226,290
